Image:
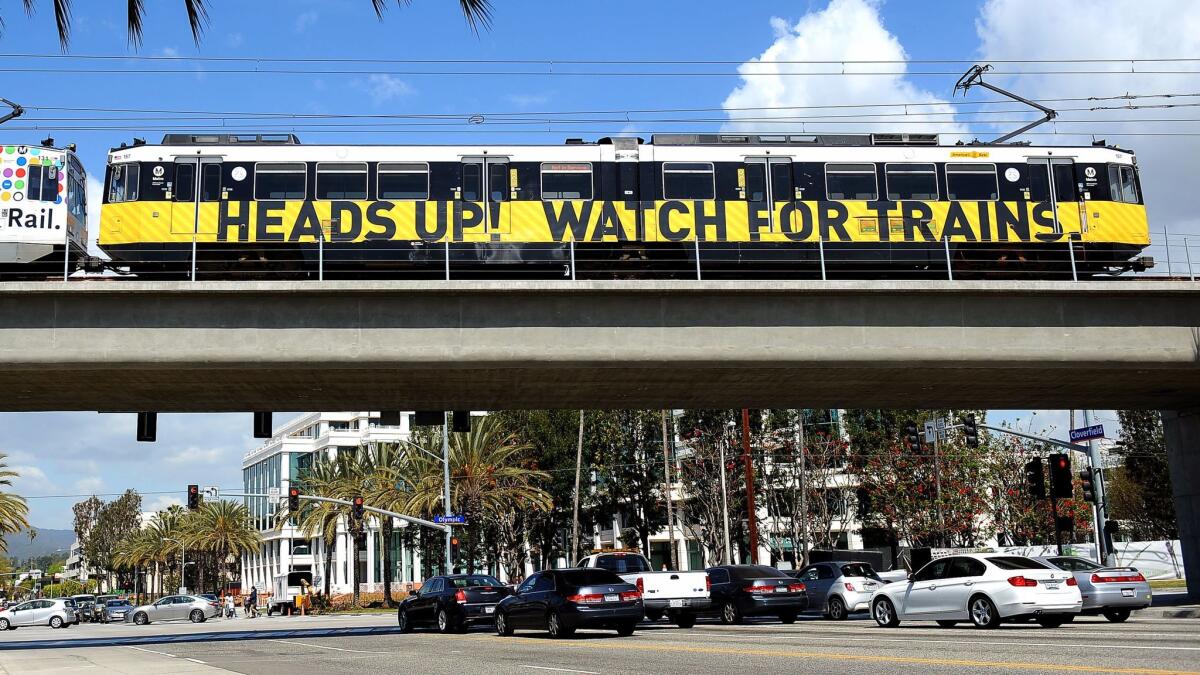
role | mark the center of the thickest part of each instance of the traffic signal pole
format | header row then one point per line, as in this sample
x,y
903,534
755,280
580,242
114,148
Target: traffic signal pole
x,y
449,567
1100,506
751,513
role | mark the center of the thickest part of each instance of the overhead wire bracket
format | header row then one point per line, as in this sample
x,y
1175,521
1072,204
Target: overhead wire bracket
x,y
974,77
17,110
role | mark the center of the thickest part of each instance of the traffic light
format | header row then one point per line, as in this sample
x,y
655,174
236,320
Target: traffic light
x,y
1035,478
193,497
453,549
356,508
912,436
971,431
147,427
293,499
1111,528
262,425
1065,523
1060,477
1088,485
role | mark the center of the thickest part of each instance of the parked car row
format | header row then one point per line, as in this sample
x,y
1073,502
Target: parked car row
x,y
611,592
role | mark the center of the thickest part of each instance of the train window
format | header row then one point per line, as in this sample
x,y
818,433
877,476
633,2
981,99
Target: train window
x,y
123,185
911,181
566,181
210,183
782,189
972,182
1121,184
341,181
756,182
851,181
403,181
688,180
43,183
279,181
472,183
185,182
497,182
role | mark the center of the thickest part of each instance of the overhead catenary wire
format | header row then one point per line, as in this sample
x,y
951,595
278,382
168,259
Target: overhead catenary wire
x,y
553,72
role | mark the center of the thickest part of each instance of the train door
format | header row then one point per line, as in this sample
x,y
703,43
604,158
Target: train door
x,y
197,181
767,186
488,186
1052,179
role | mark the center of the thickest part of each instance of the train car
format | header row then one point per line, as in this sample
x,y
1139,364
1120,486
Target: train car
x,y
43,211
682,205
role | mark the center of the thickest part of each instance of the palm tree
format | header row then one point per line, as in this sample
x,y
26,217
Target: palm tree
x,y
13,509
352,471
478,13
222,530
317,519
389,487
490,474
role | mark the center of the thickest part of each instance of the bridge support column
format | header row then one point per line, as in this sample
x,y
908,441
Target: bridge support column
x,y
1182,431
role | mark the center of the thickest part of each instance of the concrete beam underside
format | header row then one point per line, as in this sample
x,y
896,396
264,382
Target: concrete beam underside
x,y
225,346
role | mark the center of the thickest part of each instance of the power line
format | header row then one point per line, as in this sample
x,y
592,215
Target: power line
x,y
551,72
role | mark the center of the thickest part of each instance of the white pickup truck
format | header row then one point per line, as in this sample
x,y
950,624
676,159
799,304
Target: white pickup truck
x,y
678,595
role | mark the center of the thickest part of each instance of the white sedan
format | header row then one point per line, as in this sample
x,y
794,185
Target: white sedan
x,y
984,589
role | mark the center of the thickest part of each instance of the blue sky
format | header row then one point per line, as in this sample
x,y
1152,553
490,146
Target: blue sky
x,y
78,453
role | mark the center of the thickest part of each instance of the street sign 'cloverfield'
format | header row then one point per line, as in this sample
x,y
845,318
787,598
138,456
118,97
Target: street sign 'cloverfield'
x,y
1087,433
455,519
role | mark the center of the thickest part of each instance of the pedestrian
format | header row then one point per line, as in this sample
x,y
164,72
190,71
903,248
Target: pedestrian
x,y
252,602
230,608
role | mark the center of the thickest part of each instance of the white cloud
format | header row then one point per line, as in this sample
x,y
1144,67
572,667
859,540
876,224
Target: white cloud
x,y
31,480
305,20
527,100
849,30
169,51
1108,29
383,88
235,39
162,503
90,484
195,455
95,195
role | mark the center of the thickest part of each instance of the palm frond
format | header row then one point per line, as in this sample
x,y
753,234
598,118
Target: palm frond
x,y
136,11
62,21
477,12
197,12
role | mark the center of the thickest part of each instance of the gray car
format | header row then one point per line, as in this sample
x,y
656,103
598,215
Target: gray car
x,y
1113,592
838,587
174,608
115,610
56,613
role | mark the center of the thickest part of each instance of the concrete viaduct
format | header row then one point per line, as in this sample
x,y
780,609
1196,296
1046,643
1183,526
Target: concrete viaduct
x,y
242,346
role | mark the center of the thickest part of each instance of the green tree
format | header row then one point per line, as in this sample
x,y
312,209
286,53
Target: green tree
x,y
711,436
1142,495
117,521
13,509
223,531
318,519
477,13
388,487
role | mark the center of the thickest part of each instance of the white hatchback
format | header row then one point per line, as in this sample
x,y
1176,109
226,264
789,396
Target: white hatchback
x,y
984,589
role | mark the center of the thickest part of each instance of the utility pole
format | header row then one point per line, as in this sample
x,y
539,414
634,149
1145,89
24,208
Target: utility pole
x,y
667,491
728,557
575,522
800,448
449,566
1100,507
751,519
937,488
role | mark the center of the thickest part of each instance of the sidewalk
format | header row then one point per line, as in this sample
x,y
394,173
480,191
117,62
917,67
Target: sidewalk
x,y
1176,605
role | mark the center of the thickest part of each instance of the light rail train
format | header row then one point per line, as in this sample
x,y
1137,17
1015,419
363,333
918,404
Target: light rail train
x,y
43,210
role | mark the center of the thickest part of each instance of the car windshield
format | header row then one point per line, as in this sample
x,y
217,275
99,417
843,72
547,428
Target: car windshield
x,y
118,603
623,564
590,577
859,570
1077,564
756,572
468,582
1014,562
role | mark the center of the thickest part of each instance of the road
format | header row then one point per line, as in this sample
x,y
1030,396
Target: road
x,y
1145,644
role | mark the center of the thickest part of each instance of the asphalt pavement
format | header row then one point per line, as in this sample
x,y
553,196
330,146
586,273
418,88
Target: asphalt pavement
x,y
1147,643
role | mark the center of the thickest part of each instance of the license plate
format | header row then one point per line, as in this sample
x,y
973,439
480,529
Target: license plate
x,y
1127,592
769,589
612,597
680,603
489,610
1052,586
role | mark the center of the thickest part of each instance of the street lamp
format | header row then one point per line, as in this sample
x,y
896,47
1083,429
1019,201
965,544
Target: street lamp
x,y
182,562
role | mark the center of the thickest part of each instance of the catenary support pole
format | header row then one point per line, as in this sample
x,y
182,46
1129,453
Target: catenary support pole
x,y
1071,253
949,265
751,512
821,251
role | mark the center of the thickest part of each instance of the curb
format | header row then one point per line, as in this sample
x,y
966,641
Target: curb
x,y
1189,613
199,637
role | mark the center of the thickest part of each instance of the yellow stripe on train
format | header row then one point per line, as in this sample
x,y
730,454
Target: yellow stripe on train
x,y
607,221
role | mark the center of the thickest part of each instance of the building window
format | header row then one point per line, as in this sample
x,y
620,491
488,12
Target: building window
x,y
566,180
688,180
851,182
971,182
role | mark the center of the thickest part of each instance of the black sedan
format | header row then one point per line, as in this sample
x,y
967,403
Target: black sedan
x,y
452,603
739,591
561,601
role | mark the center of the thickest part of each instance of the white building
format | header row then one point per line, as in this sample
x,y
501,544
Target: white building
x,y
285,548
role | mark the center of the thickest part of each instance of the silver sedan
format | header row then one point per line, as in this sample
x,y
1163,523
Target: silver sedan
x,y
1113,592
194,608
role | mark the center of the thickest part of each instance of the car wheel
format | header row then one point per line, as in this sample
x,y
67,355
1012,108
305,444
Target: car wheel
x,y
404,622
1116,615
1051,621
652,615
983,612
444,623
685,620
730,614
946,623
141,619
556,628
626,629
196,616
837,609
502,627
884,613
56,622
4,624
788,617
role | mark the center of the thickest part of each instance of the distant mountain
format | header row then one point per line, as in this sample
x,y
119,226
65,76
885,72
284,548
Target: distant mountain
x,y
47,542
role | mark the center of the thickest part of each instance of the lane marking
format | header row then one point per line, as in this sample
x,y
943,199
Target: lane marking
x,y
561,670
336,649
195,660
869,658
142,649
1014,643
